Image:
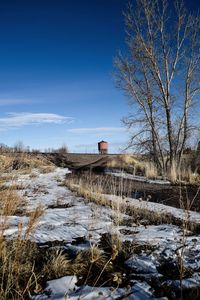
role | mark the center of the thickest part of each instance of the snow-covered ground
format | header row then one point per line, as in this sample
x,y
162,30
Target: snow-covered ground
x,y
65,289
159,208
137,178
67,217
77,219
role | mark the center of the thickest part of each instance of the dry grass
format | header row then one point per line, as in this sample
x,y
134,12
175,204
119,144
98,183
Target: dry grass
x,y
20,273
122,161
184,174
5,162
84,259
139,165
24,162
33,218
17,272
17,257
57,265
47,169
10,202
90,265
150,170
22,266
136,165
94,193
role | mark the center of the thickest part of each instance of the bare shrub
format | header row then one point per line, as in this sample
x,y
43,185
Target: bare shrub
x,y
63,149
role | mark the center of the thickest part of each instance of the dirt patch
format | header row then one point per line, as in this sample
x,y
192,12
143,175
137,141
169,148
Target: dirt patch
x,y
60,205
76,161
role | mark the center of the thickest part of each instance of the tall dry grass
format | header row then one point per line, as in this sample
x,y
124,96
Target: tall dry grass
x,y
24,162
18,274
133,164
183,174
57,265
140,165
23,268
95,192
186,205
17,256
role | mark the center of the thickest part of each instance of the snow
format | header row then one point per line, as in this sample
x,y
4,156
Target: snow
x,y
44,188
58,289
65,289
71,217
191,282
79,219
68,224
165,240
137,178
178,213
155,234
142,264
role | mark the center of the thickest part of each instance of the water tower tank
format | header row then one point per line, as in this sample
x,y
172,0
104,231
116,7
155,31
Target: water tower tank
x,y
103,147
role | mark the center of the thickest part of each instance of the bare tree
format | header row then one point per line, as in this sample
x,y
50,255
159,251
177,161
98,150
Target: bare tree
x,y
160,74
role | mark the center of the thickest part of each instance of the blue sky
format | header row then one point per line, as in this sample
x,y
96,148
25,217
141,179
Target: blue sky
x,y
56,64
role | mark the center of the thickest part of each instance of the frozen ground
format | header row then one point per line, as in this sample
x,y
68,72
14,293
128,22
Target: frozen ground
x,y
65,288
177,213
137,178
68,217
76,220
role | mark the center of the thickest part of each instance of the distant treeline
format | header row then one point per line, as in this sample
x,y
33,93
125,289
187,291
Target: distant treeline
x,y
20,147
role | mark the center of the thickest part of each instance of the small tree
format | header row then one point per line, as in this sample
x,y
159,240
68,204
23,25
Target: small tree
x,y
63,149
160,75
19,147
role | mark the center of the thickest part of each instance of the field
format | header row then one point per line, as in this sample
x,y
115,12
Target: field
x,y
91,235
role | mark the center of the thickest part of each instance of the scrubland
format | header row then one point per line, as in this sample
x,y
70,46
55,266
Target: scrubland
x,y
96,236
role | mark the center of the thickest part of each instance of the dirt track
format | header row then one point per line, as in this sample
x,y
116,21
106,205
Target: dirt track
x,y
76,161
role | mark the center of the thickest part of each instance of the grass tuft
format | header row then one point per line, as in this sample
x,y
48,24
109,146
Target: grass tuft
x,y
57,265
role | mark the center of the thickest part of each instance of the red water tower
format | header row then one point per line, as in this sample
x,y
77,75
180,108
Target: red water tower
x,y
103,147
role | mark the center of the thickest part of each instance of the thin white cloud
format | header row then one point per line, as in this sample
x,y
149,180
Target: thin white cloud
x,y
15,120
85,145
97,130
12,101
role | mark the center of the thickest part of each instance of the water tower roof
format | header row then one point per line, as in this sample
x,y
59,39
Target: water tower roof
x,y
103,141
